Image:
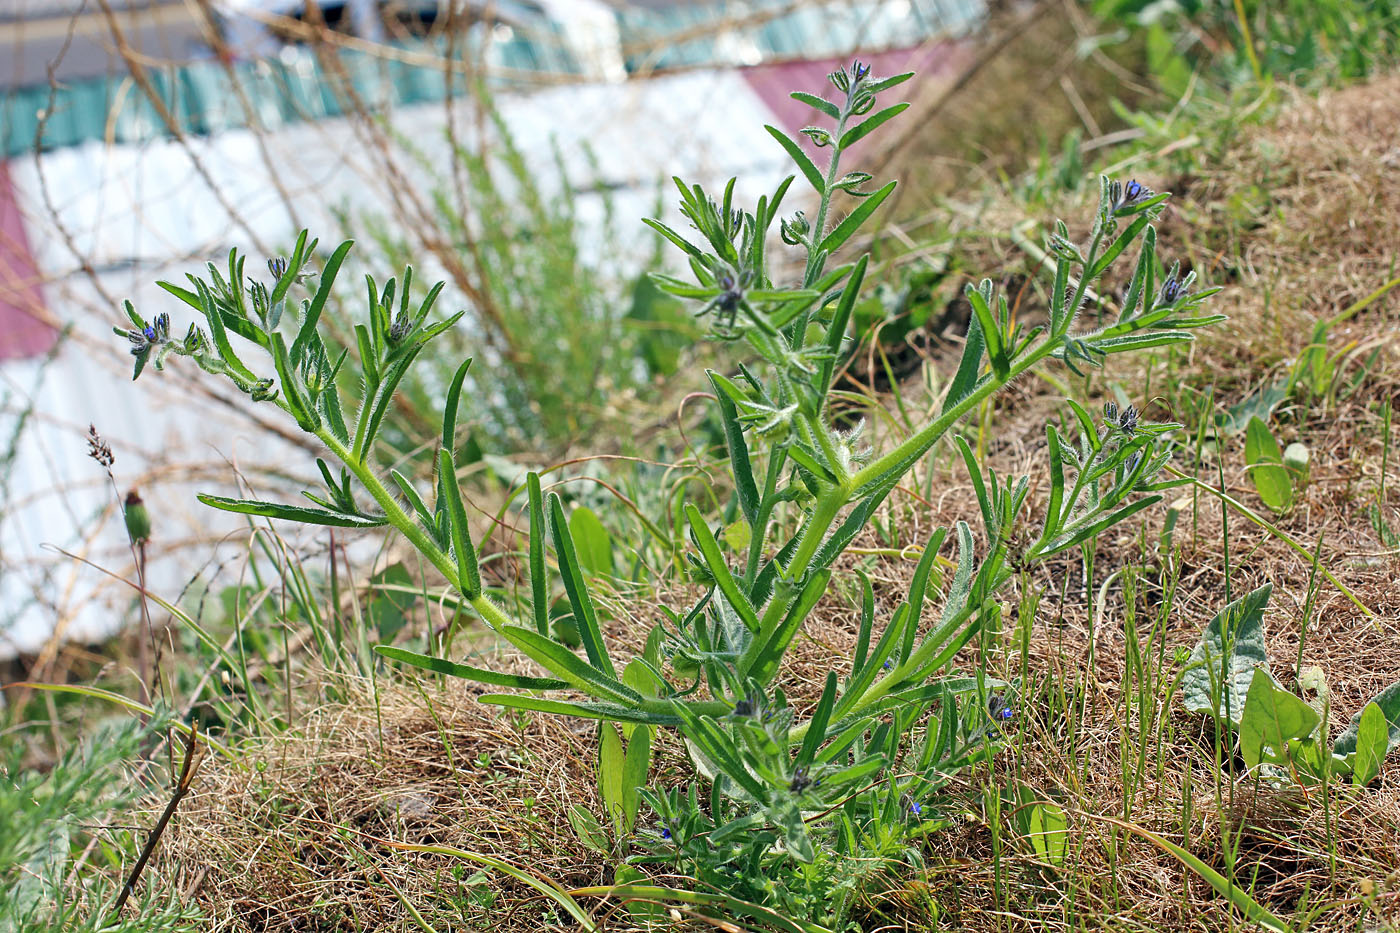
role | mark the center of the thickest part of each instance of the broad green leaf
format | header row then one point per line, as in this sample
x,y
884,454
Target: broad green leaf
x,y
800,159
1372,745
453,669
636,766
1048,831
290,513
610,760
1265,460
1388,700
577,590
1271,717
1222,664
592,540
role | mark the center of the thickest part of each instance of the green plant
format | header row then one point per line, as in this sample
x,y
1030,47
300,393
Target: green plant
x,y
1278,473
1228,679
47,817
847,778
557,341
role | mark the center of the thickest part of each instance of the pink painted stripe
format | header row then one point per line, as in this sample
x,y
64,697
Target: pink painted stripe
x,y
25,328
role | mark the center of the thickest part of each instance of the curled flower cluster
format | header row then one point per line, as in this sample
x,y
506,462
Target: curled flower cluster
x,y
1126,420
144,339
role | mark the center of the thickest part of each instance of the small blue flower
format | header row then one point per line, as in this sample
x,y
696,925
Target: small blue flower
x,y
860,70
150,334
916,808
1126,197
1171,291
665,833
888,664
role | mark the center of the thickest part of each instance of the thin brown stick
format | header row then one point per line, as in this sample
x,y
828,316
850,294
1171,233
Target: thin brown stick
x,y
182,787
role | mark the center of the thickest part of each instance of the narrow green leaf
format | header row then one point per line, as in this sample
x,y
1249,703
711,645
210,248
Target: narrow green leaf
x,y
566,665
803,162
453,669
761,659
719,568
1120,243
744,483
1108,521
966,379
884,84
539,583
577,589
468,573
449,407
852,221
817,103
290,513
840,321
611,712
870,124
821,718
318,301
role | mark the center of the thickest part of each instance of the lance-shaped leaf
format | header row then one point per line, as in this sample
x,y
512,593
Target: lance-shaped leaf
x,y
468,573
566,665
719,569
291,513
572,573
449,407
803,162
480,675
870,124
539,582
852,221
742,468
318,301
604,712
1221,666
761,659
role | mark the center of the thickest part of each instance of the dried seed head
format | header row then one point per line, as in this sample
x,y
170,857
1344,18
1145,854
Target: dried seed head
x,y
98,449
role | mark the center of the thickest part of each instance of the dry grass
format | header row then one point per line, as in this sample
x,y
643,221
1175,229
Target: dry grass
x,y
289,839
